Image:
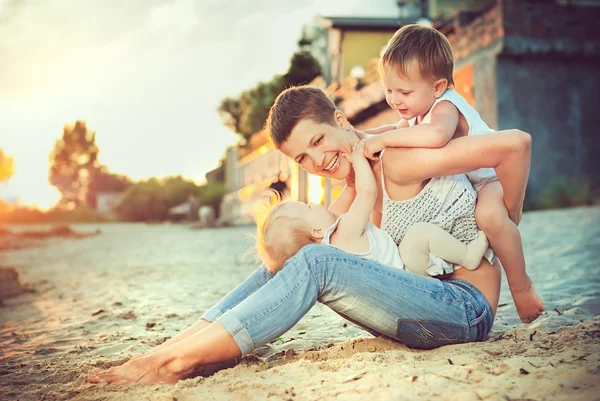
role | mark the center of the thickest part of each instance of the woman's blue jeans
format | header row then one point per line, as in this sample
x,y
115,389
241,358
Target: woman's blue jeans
x,y
419,311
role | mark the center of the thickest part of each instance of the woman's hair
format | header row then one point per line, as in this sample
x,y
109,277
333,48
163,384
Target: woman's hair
x,y
296,104
424,45
279,237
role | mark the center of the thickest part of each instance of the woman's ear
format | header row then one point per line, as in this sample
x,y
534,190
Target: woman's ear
x,y
439,87
341,119
317,233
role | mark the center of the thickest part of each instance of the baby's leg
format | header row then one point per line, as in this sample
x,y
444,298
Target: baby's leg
x,y
423,238
492,217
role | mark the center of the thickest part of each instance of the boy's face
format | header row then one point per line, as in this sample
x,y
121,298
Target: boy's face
x,y
317,147
316,216
411,96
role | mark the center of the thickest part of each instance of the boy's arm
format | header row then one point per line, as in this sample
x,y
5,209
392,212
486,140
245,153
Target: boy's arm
x,y
402,124
342,203
508,152
352,224
435,134
380,130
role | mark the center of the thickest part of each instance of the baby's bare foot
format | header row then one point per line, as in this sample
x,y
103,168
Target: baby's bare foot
x,y
529,304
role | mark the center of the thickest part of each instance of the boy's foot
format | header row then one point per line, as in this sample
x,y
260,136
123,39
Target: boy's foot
x,y
529,304
475,251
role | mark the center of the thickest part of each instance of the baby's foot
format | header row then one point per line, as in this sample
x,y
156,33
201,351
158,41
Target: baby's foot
x,y
529,304
475,251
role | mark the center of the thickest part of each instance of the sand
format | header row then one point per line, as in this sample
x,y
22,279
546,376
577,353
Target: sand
x,y
100,300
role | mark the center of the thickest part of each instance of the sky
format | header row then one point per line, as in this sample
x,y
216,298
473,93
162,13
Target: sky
x,y
146,75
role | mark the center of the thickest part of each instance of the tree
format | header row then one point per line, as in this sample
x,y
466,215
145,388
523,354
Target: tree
x,y
7,166
105,181
303,69
230,111
246,115
73,164
150,200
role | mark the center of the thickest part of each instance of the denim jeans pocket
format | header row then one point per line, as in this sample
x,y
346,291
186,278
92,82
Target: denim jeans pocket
x,y
428,334
478,317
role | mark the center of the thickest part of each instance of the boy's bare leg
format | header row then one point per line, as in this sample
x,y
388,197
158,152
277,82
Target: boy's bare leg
x,y
505,239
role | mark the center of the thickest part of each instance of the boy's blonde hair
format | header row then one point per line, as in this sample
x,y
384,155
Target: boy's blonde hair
x,y
279,237
424,45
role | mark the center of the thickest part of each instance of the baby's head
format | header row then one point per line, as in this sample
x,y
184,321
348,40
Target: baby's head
x,y
416,68
287,227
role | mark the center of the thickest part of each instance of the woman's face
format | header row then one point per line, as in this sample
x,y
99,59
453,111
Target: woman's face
x,y
318,148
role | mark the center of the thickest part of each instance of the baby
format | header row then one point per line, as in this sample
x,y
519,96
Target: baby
x,y
416,72
291,225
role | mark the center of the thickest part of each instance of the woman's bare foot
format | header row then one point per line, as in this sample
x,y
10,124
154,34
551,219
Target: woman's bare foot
x,y
529,304
145,369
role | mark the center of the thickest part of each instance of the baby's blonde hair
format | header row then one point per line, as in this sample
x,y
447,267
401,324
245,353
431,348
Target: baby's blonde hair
x,y
279,237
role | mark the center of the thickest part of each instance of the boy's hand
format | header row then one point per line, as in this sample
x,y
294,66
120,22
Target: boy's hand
x,y
358,152
373,146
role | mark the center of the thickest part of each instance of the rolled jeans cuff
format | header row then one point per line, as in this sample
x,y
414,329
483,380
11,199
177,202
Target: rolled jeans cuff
x,y
238,332
212,314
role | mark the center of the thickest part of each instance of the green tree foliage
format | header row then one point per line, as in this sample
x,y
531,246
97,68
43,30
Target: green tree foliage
x,y
303,69
150,200
7,166
73,162
246,115
105,181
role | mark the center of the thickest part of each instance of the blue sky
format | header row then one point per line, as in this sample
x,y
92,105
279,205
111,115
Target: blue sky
x,y
146,75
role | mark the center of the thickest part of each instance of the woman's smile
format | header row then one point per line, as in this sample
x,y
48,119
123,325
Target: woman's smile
x,y
333,164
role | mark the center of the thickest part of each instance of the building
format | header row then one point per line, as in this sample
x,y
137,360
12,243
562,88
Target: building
x,y
532,65
527,64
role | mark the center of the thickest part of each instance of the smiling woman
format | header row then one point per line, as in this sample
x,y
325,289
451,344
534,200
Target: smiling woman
x,y
397,303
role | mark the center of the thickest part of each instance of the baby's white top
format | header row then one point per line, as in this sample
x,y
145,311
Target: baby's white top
x,y
382,247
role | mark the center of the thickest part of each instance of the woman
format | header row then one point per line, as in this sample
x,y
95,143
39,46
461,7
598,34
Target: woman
x,y
419,311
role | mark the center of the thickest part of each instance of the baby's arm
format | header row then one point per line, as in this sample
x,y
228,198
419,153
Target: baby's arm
x,y
424,238
352,226
342,202
435,134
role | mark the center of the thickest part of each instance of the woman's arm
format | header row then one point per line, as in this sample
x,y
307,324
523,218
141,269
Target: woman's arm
x,y
508,152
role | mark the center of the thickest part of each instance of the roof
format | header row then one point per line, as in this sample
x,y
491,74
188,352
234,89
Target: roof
x,y
363,23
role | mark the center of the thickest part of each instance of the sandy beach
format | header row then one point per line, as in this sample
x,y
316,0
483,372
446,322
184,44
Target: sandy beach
x,y
99,300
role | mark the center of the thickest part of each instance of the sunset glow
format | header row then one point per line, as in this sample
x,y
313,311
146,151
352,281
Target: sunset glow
x,y
149,86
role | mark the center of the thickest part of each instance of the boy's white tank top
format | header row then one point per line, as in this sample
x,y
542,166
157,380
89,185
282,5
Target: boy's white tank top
x,y
476,127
